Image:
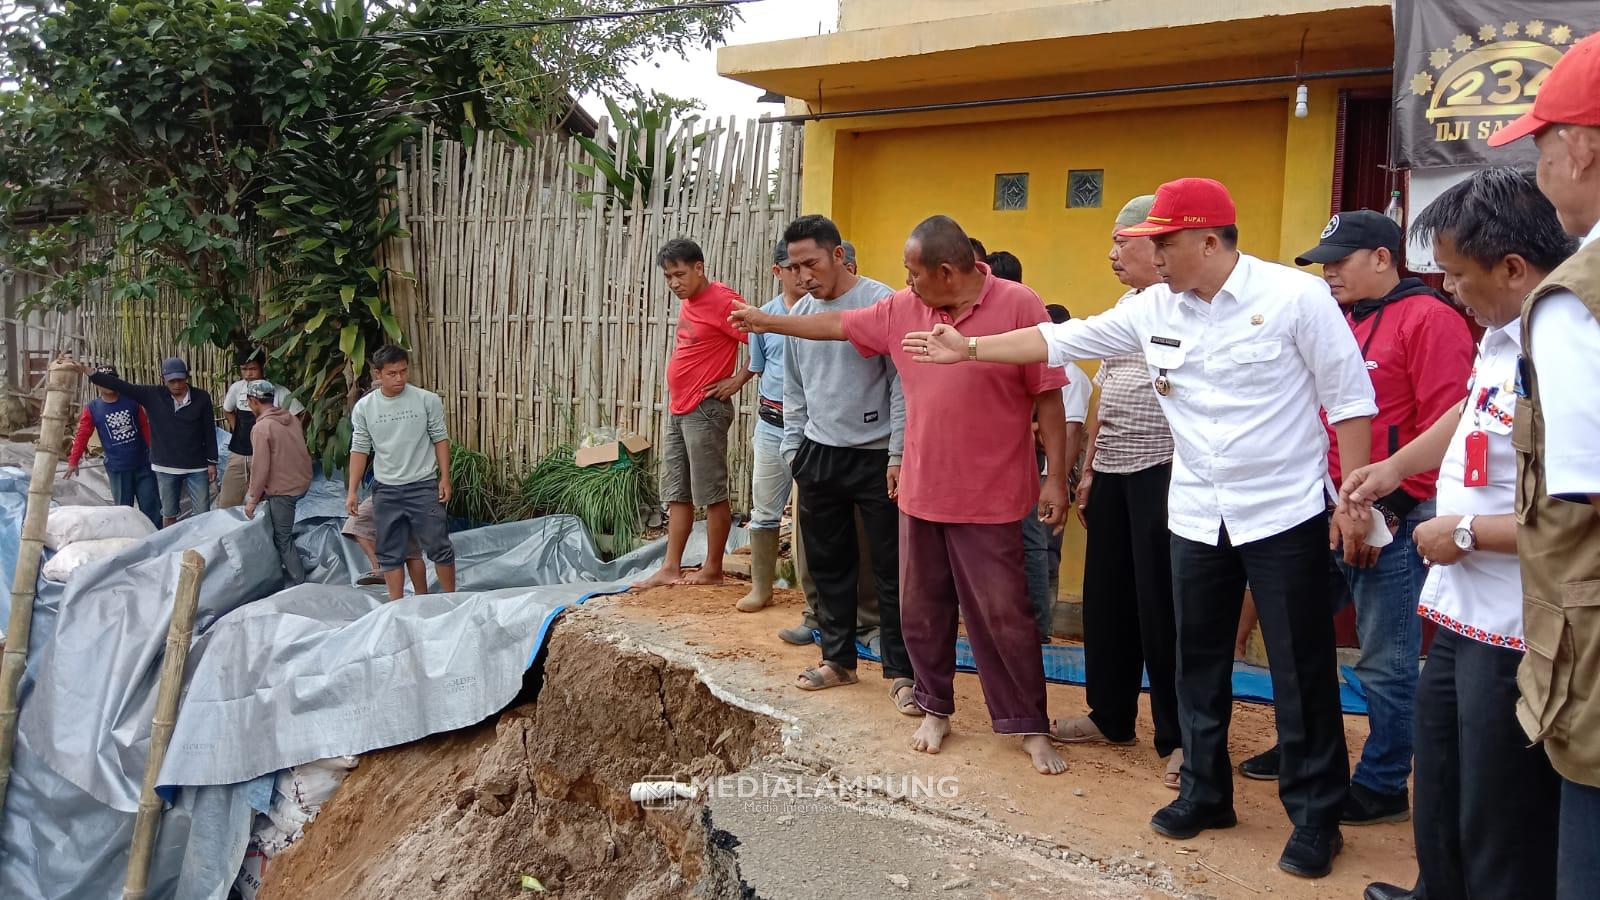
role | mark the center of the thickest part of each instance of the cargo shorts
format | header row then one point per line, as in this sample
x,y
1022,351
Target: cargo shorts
x,y
404,512
694,462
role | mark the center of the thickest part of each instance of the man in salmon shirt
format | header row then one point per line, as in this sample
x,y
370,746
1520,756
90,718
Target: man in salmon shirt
x,y
1418,353
701,379
967,479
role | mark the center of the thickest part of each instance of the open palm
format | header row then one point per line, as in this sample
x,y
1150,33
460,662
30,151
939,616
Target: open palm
x,y
944,345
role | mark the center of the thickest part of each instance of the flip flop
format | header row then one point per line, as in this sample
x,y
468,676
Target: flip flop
x,y
1173,777
823,676
907,705
370,578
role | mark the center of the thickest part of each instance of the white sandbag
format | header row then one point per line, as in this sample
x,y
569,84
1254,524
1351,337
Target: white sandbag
x,y
70,524
297,797
80,553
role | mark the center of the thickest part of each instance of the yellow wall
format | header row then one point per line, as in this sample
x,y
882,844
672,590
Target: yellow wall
x,y
883,183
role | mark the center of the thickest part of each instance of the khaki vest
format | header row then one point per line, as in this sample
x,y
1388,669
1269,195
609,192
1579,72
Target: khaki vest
x,y
1558,543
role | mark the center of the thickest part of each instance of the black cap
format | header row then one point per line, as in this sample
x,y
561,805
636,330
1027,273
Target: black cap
x,y
1348,232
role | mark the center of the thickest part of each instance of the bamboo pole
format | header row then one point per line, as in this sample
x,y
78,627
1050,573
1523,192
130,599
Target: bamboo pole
x,y
61,384
179,633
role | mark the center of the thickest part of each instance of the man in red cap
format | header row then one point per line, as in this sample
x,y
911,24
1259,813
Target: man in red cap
x,y
1557,439
1242,354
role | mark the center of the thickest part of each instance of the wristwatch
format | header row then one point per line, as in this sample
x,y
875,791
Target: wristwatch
x,y
1463,535
972,348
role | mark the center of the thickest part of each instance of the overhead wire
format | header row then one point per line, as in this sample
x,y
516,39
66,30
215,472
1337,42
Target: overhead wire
x,y
616,15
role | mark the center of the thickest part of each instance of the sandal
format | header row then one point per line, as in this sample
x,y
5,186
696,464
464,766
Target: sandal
x,y
1174,774
825,675
906,704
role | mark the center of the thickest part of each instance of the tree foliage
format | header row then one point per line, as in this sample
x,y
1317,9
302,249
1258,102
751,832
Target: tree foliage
x,y
652,128
530,76
190,147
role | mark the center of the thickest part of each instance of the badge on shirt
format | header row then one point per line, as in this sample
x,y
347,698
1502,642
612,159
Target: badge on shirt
x,y
1165,341
1477,459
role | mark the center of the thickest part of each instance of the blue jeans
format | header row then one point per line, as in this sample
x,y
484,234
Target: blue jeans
x,y
1390,631
1578,860
138,489
198,485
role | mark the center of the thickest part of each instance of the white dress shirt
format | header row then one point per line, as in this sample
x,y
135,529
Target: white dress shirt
x,y
1563,339
1480,597
1247,373
1075,396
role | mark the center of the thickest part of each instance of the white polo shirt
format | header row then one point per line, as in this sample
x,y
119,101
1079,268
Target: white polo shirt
x,y
1248,373
1480,597
1563,337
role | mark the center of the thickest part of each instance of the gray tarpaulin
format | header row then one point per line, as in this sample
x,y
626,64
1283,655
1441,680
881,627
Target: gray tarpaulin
x,y
275,679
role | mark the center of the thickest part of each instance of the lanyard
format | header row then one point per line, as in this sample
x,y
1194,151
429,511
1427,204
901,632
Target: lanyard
x,y
1377,319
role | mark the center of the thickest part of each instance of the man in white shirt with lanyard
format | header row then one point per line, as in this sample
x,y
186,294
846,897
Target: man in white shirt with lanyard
x,y
1558,463
1243,353
1487,803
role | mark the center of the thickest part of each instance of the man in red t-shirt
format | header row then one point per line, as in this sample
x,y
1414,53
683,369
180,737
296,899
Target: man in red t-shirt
x,y
961,502
700,380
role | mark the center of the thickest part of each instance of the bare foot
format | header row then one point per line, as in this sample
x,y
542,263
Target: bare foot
x,y
664,576
702,575
930,734
1045,758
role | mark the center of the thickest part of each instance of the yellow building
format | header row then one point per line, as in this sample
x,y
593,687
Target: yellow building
x,y
1154,91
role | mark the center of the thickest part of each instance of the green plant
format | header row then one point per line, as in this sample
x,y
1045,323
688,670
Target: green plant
x,y
652,127
523,79
608,499
481,491
185,148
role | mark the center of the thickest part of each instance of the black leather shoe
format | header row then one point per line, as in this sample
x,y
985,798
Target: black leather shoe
x,y
1263,767
1365,806
1182,820
1379,890
1310,851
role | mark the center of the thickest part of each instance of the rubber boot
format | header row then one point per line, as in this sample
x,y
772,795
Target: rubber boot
x,y
763,569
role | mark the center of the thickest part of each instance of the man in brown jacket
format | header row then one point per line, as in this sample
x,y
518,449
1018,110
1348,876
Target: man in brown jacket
x,y
1557,439
280,472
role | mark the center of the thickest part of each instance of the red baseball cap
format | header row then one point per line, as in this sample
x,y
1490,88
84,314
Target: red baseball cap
x,y
1570,95
1186,203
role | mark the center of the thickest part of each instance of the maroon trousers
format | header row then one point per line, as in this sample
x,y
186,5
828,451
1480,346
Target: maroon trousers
x,y
974,572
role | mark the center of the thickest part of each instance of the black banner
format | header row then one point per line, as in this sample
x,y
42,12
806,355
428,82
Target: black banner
x,y
1465,68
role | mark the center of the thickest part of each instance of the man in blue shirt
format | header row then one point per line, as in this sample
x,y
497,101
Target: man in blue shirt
x,y
770,478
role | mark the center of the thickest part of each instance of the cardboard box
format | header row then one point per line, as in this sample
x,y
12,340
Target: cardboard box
x,y
611,451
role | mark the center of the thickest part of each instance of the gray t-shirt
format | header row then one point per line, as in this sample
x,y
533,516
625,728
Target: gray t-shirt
x,y
835,396
399,432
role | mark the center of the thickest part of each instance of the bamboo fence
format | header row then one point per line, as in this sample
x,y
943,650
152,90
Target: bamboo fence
x,y
534,310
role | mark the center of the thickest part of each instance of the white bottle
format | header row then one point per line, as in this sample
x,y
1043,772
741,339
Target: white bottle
x,y
1395,212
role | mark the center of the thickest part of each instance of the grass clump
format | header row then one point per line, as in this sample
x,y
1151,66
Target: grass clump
x,y
609,499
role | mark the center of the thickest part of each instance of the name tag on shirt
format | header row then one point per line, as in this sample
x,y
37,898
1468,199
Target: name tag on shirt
x,y
1165,341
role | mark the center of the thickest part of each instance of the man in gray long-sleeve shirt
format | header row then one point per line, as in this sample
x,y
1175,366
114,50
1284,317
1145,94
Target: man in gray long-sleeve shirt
x,y
400,427
844,427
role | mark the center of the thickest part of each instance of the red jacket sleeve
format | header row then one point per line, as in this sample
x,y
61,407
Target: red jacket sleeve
x,y
144,426
80,441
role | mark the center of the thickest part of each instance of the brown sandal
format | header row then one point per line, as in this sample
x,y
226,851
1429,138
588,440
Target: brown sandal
x,y
818,678
907,705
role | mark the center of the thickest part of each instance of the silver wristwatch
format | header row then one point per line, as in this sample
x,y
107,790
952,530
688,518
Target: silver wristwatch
x,y
1463,535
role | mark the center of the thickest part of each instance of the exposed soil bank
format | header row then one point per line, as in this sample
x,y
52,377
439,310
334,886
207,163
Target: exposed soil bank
x,y
542,790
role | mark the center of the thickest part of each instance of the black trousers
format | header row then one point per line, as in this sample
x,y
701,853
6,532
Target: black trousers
x,y
1487,804
835,483
1287,574
1129,623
